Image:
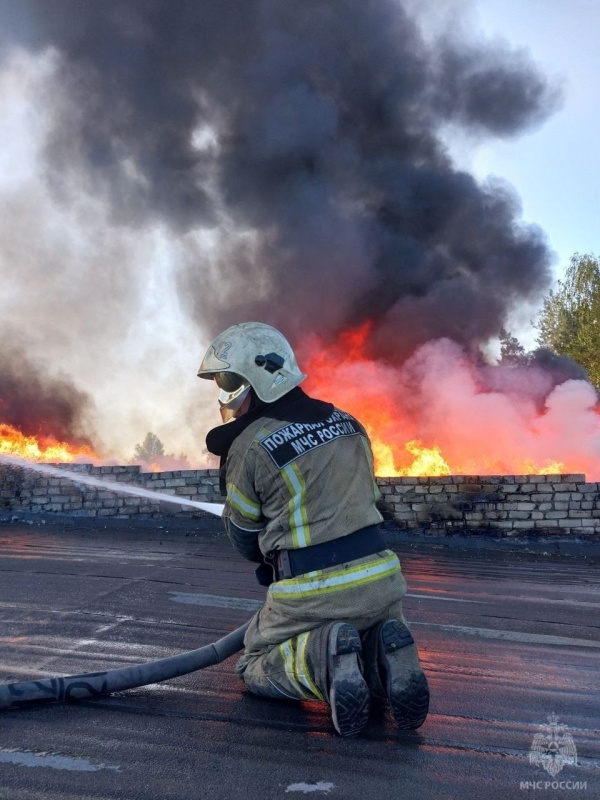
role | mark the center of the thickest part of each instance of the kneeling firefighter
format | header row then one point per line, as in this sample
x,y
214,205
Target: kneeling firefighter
x,y
301,501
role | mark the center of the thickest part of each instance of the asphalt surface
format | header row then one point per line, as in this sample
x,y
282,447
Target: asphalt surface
x,y
506,640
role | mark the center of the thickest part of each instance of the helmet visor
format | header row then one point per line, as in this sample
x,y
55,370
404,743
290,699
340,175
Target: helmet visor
x,y
229,381
233,391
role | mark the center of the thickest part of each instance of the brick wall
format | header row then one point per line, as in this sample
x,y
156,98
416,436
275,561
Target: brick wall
x,y
509,505
27,490
492,505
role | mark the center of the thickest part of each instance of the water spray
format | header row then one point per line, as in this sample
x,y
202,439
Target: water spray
x,y
96,684
112,486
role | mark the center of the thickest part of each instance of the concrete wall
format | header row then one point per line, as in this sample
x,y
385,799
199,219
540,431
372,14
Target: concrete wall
x,y
555,505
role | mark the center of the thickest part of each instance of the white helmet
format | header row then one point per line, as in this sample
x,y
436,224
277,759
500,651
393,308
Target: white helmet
x,y
250,354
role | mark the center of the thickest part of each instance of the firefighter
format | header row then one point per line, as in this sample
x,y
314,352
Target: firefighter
x,y
301,502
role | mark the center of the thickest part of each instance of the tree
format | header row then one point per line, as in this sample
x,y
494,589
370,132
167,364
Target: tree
x,y
512,351
569,323
150,449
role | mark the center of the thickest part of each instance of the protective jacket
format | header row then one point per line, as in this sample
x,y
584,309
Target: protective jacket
x,y
299,472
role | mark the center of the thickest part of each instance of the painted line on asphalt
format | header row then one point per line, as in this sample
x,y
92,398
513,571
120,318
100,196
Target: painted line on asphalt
x,y
27,758
126,651
510,636
216,601
219,601
443,597
309,788
513,598
556,602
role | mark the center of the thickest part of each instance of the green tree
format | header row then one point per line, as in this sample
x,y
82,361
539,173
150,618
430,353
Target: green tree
x,y
569,323
150,449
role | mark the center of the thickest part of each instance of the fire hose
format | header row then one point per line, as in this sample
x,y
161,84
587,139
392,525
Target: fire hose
x,y
95,684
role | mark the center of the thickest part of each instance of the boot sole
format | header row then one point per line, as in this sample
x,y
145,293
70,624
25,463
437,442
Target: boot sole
x,y
405,681
348,692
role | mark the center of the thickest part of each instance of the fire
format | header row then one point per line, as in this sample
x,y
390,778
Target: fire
x,y
437,415
42,448
366,389
428,460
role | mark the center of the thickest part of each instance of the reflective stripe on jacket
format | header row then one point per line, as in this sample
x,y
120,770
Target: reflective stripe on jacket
x,y
301,484
290,486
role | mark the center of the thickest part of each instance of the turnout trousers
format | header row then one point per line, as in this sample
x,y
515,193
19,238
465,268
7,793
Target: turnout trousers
x,y
285,643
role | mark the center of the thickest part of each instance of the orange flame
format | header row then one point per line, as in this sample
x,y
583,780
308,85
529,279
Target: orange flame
x,y
404,439
42,448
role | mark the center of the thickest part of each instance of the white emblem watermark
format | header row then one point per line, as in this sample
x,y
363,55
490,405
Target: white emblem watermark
x,y
553,748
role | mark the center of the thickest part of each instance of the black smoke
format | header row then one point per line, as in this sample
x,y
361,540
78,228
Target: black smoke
x,y
38,403
307,139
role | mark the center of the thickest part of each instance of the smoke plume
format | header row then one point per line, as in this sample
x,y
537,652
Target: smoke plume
x,y
308,138
292,157
36,403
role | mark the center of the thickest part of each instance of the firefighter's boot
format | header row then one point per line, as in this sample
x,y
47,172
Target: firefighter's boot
x,y
394,672
343,684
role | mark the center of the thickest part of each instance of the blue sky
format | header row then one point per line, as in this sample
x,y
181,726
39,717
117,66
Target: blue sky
x,y
556,168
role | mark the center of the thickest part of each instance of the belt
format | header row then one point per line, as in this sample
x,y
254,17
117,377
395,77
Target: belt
x,y
361,543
